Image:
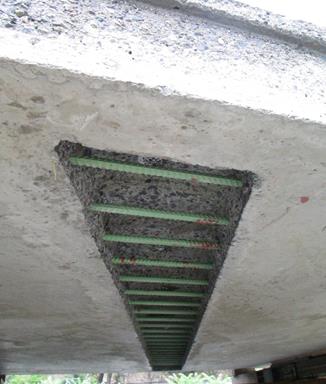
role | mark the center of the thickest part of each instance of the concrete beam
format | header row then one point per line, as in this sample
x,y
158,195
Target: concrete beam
x,y
168,84
254,20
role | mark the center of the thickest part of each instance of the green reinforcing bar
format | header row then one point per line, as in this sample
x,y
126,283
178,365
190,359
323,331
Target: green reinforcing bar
x,y
150,171
160,263
201,244
153,213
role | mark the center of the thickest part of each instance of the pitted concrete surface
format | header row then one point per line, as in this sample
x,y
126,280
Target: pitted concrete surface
x,y
170,50
256,20
59,309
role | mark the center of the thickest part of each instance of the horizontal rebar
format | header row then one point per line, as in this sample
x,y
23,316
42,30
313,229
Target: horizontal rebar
x,y
163,331
150,171
184,345
164,303
177,344
157,214
170,342
165,326
160,263
142,292
166,367
166,350
166,347
148,319
165,312
166,362
165,357
161,280
166,339
164,353
168,356
178,332
201,244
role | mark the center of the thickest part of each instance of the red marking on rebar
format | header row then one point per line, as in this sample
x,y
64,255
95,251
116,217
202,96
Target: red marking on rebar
x,y
206,246
194,181
304,199
122,259
205,221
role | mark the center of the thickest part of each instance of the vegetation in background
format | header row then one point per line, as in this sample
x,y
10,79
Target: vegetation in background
x,y
52,379
176,378
198,378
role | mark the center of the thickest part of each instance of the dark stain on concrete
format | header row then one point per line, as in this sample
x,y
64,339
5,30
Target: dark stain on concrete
x,y
15,104
26,129
38,99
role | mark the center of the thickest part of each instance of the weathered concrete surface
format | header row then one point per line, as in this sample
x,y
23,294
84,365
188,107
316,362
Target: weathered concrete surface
x,y
59,308
175,51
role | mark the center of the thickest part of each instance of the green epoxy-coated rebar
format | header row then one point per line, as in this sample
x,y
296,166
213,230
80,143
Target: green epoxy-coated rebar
x,y
166,352
161,280
160,263
166,339
165,312
156,347
174,351
165,326
176,345
170,352
157,214
201,244
163,331
142,292
167,355
164,367
167,346
166,362
169,342
166,358
164,303
160,343
150,171
165,349
149,319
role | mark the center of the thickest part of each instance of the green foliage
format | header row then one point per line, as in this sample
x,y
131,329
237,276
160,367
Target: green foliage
x,y
198,378
51,379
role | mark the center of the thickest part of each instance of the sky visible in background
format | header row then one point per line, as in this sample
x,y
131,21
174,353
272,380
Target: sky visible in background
x,y
313,11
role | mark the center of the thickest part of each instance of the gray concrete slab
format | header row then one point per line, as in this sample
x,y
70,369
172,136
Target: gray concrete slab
x,y
59,309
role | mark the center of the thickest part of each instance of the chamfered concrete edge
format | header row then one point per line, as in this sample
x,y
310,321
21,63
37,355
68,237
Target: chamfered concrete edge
x,y
251,19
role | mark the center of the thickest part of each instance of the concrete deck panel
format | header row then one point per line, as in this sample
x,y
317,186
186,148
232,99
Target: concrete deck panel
x,y
222,106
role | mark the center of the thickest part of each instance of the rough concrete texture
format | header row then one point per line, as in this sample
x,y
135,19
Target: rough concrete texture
x,y
269,300
180,53
94,185
256,20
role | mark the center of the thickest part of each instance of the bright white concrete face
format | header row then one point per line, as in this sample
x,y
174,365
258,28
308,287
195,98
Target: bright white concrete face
x,y
59,308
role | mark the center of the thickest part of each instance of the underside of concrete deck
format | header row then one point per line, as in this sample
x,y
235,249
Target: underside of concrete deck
x,y
171,83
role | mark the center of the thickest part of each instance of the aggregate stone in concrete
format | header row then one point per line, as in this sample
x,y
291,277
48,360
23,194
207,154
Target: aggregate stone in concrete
x,y
94,185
